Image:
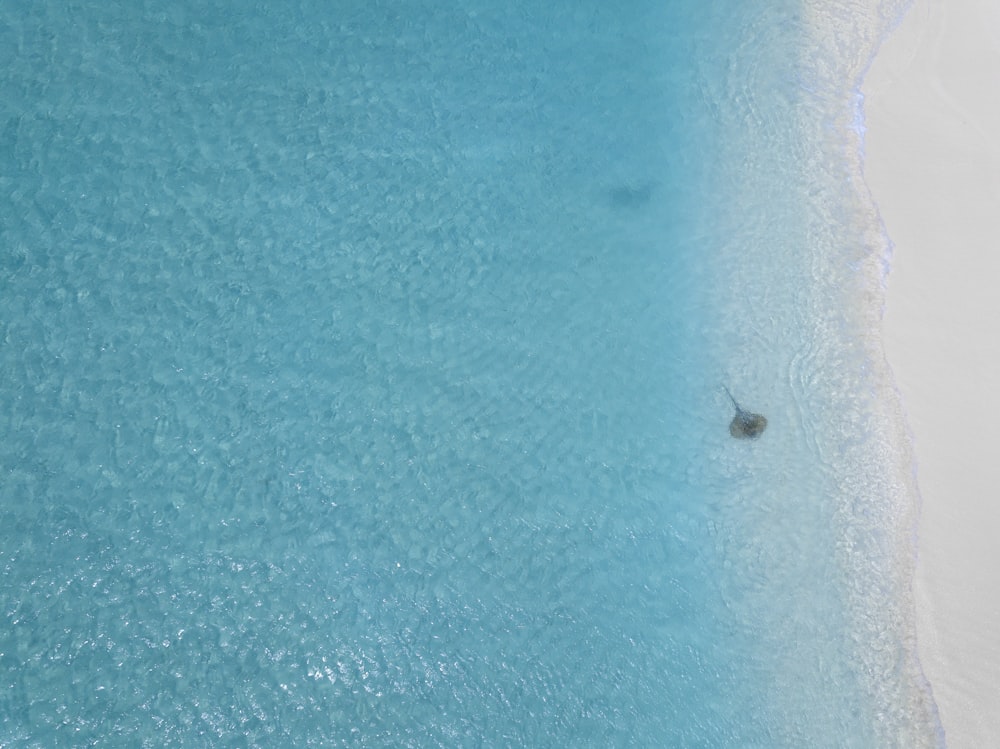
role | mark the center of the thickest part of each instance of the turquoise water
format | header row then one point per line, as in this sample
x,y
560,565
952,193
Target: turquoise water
x,y
361,382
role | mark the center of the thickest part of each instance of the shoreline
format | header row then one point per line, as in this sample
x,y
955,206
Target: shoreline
x,y
932,164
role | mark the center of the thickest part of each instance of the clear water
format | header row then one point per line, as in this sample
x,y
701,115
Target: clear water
x,y
361,380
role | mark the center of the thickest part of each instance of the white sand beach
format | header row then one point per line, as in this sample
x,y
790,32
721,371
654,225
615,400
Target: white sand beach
x,y
932,105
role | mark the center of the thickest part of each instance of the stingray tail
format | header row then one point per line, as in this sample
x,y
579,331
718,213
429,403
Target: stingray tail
x,y
735,404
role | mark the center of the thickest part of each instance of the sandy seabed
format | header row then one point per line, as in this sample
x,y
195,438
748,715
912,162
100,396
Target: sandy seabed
x,y
932,112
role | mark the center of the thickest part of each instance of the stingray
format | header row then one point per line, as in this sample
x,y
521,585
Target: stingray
x,y
745,424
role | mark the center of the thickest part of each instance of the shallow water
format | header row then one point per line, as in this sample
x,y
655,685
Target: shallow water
x,y
362,383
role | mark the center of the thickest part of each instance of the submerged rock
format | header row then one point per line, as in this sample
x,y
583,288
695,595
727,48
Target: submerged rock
x,y
745,424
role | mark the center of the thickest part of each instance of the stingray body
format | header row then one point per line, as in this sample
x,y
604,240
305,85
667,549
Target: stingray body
x,y
745,424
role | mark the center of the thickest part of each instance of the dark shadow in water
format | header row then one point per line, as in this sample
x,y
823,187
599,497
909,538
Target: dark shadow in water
x,y
631,196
